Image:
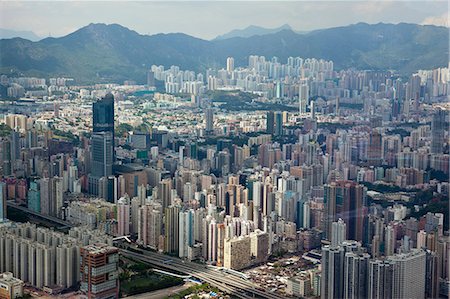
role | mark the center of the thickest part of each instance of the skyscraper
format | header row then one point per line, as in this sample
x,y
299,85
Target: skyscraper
x,y
186,232
171,229
2,201
303,97
380,279
374,151
278,129
338,232
230,64
346,200
437,132
209,114
355,275
332,283
103,116
270,122
102,154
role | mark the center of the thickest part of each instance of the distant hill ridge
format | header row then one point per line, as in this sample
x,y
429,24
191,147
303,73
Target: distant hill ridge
x,y
114,53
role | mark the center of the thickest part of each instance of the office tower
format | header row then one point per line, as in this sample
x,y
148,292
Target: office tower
x,y
171,229
355,275
230,64
103,114
374,150
270,122
209,124
3,196
278,129
103,119
186,232
338,232
10,287
102,154
437,132
409,274
99,271
303,97
380,279
332,283
123,217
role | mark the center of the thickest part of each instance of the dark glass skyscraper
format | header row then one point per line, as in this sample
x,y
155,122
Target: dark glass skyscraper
x,y
437,132
270,122
103,117
103,114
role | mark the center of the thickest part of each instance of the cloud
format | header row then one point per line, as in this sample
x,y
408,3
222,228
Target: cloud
x,y
437,20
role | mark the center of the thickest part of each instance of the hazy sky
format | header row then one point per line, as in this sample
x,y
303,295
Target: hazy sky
x,y
207,19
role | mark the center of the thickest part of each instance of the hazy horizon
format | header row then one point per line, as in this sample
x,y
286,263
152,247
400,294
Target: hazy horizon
x,y
207,20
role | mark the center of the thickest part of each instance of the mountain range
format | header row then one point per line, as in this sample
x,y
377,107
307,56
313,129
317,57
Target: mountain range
x,y
113,53
9,33
255,30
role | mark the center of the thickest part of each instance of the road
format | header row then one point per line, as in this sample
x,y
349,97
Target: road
x,y
225,282
46,217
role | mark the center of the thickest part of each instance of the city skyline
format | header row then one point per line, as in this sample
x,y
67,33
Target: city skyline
x,y
284,165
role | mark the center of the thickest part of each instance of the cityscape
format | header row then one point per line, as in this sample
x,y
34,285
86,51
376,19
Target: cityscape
x,y
225,172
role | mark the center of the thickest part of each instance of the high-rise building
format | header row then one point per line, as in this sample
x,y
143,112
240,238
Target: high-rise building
x,y
164,192
303,97
409,274
2,202
186,232
150,78
346,200
102,154
380,279
171,229
230,64
278,129
355,275
51,196
99,271
332,284
237,253
338,232
150,222
209,125
437,132
103,119
270,122
374,151
123,217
